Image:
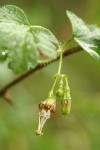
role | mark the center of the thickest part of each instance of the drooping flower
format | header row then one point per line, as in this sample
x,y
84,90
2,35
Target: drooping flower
x,y
45,109
65,106
66,101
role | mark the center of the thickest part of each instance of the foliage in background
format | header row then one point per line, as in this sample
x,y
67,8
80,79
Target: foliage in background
x,y
82,127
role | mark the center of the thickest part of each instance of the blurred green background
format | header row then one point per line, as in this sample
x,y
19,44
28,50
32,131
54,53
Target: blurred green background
x,y
81,129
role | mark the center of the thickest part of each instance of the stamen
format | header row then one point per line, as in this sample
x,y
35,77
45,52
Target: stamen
x,y
43,116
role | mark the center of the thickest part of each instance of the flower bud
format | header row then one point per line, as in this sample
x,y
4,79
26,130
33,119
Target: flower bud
x,y
65,106
67,93
59,93
66,101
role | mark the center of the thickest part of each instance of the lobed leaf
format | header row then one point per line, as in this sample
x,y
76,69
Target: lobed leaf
x,y
21,43
87,36
45,41
18,44
13,14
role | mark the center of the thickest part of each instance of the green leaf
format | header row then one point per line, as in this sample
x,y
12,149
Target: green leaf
x,y
20,48
24,56
12,14
3,55
87,36
45,41
20,43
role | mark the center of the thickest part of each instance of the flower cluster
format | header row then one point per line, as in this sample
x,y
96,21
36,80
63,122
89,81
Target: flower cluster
x,y
49,105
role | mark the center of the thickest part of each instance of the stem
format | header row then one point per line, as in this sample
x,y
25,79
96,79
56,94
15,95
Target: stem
x,y
65,45
66,81
60,64
56,77
53,86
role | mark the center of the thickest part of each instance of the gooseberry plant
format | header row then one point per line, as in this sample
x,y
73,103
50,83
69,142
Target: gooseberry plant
x,y
25,46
